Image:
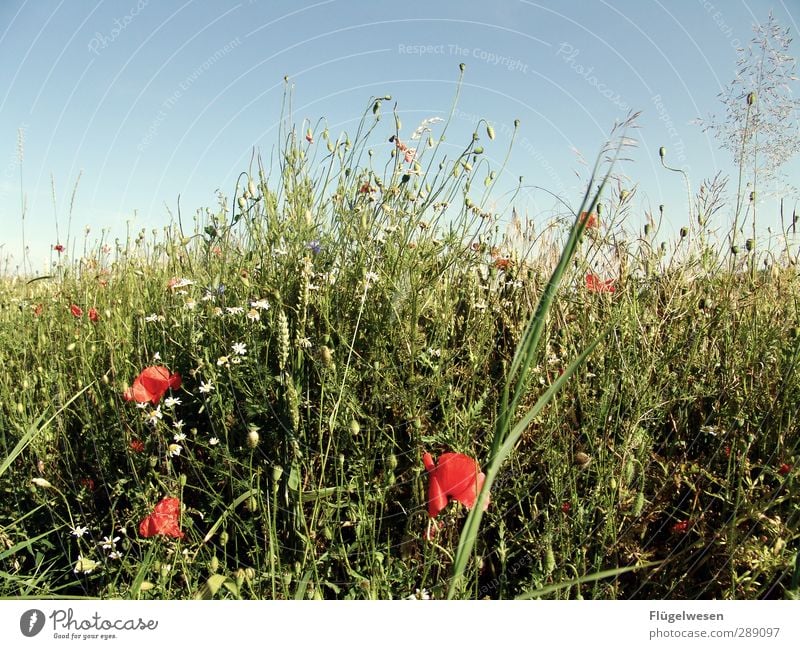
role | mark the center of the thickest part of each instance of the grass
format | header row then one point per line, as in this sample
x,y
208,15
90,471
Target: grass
x,y
354,310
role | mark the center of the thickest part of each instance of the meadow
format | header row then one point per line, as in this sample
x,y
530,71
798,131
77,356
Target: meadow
x,y
237,405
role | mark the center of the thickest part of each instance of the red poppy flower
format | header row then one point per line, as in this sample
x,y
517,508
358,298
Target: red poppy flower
x,y
680,527
594,283
37,310
455,476
590,219
566,506
58,248
152,384
309,137
88,483
76,310
163,520
501,263
366,188
137,446
784,469
94,316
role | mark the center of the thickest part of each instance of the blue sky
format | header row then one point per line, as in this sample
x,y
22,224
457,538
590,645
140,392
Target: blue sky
x,y
151,99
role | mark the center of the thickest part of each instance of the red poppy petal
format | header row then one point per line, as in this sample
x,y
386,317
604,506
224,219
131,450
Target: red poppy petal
x,y
456,472
137,392
427,460
155,379
168,507
437,499
163,520
175,381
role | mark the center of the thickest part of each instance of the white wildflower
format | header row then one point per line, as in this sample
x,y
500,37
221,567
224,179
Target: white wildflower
x,y
79,531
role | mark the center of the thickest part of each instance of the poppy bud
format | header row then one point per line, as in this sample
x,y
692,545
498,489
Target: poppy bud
x,y
662,151
751,98
223,538
749,245
326,355
355,427
41,482
213,565
735,250
462,66
752,196
392,461
251,187
490,131
582,460
241,202
182,480
478,150
684,232
252,438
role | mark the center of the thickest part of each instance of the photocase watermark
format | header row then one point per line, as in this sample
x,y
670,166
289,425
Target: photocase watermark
x,y
102,41
569,53
169,103
719,21
491,586
67,626
676,143
511,63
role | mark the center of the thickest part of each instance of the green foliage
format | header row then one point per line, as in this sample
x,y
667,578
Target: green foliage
x,y
342,319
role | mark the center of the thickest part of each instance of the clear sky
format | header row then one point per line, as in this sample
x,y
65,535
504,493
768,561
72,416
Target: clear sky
x,y
149,99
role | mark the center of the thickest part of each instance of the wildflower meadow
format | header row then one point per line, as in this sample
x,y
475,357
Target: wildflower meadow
x,y
351,379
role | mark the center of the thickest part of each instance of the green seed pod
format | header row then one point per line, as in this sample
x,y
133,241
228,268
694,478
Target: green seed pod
x,y
182,480
638,504
549,558
630,472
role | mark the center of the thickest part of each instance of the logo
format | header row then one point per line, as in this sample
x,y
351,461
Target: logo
x,y
31,622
